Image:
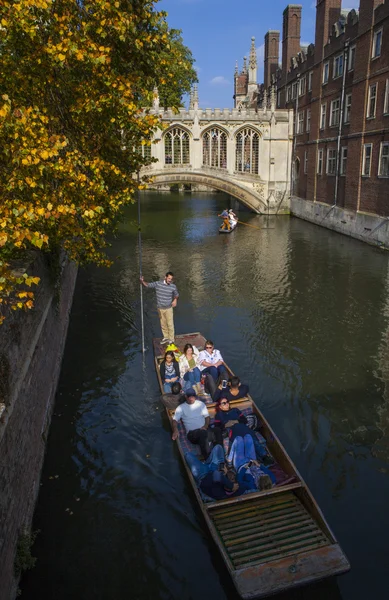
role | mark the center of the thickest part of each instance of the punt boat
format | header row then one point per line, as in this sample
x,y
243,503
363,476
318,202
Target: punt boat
x,y
221,230
271,540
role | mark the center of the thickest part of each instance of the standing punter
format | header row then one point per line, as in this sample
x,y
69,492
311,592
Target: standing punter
x,y
167,295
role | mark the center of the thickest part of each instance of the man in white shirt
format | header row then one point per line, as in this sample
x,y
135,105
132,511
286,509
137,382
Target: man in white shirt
x,y
211,361
195,417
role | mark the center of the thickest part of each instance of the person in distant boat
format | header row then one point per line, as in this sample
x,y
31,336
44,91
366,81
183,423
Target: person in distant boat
x,y
169,370
195,417
234,390
233,219
242,456
213,478
189,371
235,422
226,220
211,361
167,295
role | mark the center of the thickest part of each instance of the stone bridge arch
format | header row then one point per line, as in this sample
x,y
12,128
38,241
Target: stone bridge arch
x,y
253,197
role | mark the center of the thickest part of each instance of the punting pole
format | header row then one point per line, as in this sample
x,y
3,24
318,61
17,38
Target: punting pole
x,y
140,268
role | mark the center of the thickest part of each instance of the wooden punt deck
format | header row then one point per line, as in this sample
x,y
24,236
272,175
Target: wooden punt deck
x,y
272,540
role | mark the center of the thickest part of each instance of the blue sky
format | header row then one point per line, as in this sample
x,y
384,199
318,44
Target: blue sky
x,y
219,32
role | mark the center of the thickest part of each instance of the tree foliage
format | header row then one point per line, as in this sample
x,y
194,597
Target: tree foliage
x,y
74,77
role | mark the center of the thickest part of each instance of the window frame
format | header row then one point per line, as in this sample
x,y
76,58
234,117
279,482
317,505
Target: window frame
x,y
343,161
308,121
331,156
351,58
305,162
302,86
365,146
335,73
300,122
320,161
373,50
368,114
288,93
332,112
323,113
386,98
295,86
326,71
385,143
347,108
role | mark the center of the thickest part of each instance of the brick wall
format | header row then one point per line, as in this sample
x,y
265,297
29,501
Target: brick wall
x,y
337,34
31,347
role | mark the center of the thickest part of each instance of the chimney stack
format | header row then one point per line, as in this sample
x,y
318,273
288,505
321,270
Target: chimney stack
x,y
272,49
290,36
327,13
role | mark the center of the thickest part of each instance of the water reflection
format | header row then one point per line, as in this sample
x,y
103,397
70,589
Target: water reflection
x,y
302,314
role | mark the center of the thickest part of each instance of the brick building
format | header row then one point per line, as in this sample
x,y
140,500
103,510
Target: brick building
x,y
339,91
338,88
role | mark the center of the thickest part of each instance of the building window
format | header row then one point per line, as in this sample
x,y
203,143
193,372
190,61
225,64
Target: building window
x,y
310,75
308,119
294,90
305,162
371,105
300,122
377,43
331,161
367,150
351,58
288,93
338,66
247,150
303,85
323,114
326,70
215,148
386,100
347,108
319,162
383,170
177,147
343,160
335,112
145,151
278,99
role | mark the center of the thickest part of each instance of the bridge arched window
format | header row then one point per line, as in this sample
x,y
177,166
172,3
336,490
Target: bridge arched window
x,y
177,147
247,151
215,148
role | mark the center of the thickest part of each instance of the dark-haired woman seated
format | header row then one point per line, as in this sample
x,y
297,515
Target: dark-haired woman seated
x,y
234,390
170,371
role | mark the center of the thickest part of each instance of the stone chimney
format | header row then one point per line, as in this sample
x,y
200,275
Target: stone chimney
x,y
290,36
272,46
327,13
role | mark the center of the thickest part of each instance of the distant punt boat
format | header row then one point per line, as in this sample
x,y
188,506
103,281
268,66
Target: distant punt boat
x,y
221,230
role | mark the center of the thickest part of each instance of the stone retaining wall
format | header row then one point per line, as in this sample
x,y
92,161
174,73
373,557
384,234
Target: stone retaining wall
x,y
366,227
31,349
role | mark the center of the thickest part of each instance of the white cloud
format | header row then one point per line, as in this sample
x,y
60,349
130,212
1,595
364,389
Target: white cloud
x,y
261,54
220,80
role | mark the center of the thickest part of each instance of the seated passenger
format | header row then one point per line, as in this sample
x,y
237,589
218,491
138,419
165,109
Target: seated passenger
x,y
169,371
243,457
234,390
212,478
195,417
234,421
232,217
211,361
187,363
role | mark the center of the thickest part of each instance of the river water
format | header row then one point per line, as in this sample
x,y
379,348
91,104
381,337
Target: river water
x,y
302,315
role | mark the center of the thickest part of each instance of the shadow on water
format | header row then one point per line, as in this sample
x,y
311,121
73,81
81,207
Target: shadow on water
x,y
302,315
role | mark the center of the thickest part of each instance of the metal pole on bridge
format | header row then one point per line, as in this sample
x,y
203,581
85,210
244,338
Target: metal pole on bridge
x,y
140,268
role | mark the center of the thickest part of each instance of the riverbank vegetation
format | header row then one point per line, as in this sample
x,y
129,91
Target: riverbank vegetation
x,y
74,79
